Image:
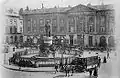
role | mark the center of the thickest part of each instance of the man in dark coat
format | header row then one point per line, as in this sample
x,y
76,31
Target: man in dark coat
x,y
90,72
104,60
56,67
99,62
95,73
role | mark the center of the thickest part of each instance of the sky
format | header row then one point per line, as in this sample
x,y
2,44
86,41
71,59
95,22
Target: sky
x,y
50,3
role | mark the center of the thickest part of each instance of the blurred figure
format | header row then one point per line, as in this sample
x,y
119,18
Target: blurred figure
x,y
56,67
99,62
104,60
95,73
108,55
90,72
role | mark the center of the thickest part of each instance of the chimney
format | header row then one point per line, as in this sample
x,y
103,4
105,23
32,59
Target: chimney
x,y
27,8
42,5
55,7
69,6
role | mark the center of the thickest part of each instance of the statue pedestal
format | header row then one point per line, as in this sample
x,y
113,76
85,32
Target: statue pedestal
x,y
48,40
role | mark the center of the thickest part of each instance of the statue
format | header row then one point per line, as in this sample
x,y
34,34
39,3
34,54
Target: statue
x,y
47,29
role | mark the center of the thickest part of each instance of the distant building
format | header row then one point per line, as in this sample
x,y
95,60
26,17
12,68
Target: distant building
x,y
13,27
88,26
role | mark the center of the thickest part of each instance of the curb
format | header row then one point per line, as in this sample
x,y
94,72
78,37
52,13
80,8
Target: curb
x,y
27,70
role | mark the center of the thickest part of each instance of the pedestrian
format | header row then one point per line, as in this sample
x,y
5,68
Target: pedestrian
x,y
95,74
108,55
65,67
99,62
56,67
90,72
72,68
68,69
104,60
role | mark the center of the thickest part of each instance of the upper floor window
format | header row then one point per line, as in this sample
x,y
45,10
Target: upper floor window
x,y
102,21
54,22
41,22
15,22
20,29
21,23
71,21
102,29
91,28
34,26
11,21
71,29
11,30
29,28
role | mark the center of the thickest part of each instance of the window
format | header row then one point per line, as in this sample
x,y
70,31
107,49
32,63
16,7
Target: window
x,y
90,41
62,21
71,29
11,21
21,23
91,28
102,21
15,22
71,21
20,29
102,29
54,22
62,29
15,29
10,30
41,22
29,28
34,26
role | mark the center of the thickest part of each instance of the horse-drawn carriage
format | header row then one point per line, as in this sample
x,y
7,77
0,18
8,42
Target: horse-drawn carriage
x,y
81,64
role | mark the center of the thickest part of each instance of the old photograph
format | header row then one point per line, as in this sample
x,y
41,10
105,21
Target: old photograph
x,y
59,39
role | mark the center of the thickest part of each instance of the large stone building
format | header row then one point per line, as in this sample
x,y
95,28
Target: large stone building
x,y
84,25
13,27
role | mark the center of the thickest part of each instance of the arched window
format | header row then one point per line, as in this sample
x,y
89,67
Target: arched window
x,y
11,39
16,38
10,30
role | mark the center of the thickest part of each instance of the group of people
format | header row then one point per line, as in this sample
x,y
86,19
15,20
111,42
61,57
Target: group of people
x,y
66,68
94,72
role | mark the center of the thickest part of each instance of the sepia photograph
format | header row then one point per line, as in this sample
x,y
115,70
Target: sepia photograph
x,y
60,39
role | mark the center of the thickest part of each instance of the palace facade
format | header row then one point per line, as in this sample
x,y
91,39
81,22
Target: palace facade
x,y
13,27
84,25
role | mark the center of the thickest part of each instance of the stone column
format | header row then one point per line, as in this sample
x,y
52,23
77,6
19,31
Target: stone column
x,y
86,28
75,24
95,24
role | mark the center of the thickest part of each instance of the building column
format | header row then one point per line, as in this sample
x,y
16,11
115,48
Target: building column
x,y
75,24
95,25
86,20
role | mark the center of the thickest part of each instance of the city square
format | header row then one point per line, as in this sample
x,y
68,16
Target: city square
x,y
58,42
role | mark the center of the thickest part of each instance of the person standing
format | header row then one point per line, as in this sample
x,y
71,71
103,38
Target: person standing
x,y
99,62
72,68
108,55
95,74
104,60
56,67
90,72
66,69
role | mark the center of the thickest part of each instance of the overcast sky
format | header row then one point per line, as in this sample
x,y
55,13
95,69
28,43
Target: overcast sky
x,y
50,3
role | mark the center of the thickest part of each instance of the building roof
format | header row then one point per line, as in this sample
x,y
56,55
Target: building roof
x,y
65,9
47,10
102,7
